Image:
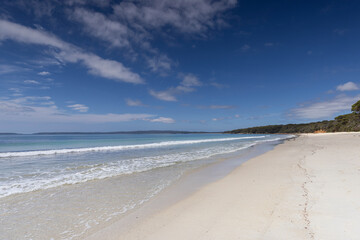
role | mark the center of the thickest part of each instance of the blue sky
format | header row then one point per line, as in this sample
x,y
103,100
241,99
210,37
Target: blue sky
x,y
201,65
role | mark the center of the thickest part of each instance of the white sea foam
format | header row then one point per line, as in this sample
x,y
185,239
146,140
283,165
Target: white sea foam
x,y
88,172
118,148
46,180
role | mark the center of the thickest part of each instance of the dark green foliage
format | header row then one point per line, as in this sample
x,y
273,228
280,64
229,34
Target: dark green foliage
x,y
356,107
343,123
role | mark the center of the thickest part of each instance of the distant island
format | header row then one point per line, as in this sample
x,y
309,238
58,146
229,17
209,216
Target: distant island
x,y
343,123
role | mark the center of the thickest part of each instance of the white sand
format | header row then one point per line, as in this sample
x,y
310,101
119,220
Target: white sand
x,y
307,188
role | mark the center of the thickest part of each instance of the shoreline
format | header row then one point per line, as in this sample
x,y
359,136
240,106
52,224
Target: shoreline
x,y
305,188
184,187
136,179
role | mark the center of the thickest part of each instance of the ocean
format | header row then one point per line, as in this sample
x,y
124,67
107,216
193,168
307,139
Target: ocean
x,y
68,186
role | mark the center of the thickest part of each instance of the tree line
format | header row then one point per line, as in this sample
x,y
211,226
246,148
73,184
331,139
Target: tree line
x,y
343,123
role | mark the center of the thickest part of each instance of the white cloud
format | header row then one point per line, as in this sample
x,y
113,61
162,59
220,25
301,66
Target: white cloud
x,y
324,109
186,85
68,53
349,86
35,109
269,44
134,103
79,107
15,89
217,107
134,21
16,92
190,81
218,119
5,69
134,24
19,33
196,16
98,25
162,120
167,95
160,63
31,82
44,73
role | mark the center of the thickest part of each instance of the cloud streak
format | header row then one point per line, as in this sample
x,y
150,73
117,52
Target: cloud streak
x,y
162,120
134,103
99,26
187,85
35,109
324,109
79,107
68,53
135,24
193,17
44,73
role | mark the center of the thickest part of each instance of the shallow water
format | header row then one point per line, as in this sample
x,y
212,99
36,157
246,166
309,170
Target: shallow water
x,y
68,195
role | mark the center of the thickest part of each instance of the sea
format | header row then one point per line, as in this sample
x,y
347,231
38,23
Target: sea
x,y
68,186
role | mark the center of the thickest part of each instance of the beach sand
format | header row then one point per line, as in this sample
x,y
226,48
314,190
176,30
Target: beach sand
x,y
306,188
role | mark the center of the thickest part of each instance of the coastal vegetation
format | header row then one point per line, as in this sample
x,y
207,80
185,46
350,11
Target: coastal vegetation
x,y
343,123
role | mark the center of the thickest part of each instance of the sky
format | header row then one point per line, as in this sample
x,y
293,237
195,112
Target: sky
x,y
196,65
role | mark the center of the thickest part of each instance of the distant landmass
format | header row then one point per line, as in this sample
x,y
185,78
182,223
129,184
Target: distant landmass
x,y
127,132
343,123
117,132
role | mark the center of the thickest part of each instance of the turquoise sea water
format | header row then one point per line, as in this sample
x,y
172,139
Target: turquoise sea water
x,y
88,180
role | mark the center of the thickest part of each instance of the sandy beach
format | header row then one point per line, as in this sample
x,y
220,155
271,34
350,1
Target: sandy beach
x,y
306,188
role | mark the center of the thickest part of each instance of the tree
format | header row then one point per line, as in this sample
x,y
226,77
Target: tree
x,y
356,107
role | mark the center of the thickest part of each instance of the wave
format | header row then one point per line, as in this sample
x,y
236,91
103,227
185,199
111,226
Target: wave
x,y
89,172
117,148
85,173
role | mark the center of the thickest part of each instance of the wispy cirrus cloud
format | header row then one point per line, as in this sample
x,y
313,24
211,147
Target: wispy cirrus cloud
x,y
188,84
134,103
167,95
113,32
79,107
135,24
5,68
162,120
68,53
41,109
31,82
160,63
190,17
136,20
43,73
324,109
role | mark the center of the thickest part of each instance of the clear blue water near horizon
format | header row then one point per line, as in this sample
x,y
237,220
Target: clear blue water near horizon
x,y
88,180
